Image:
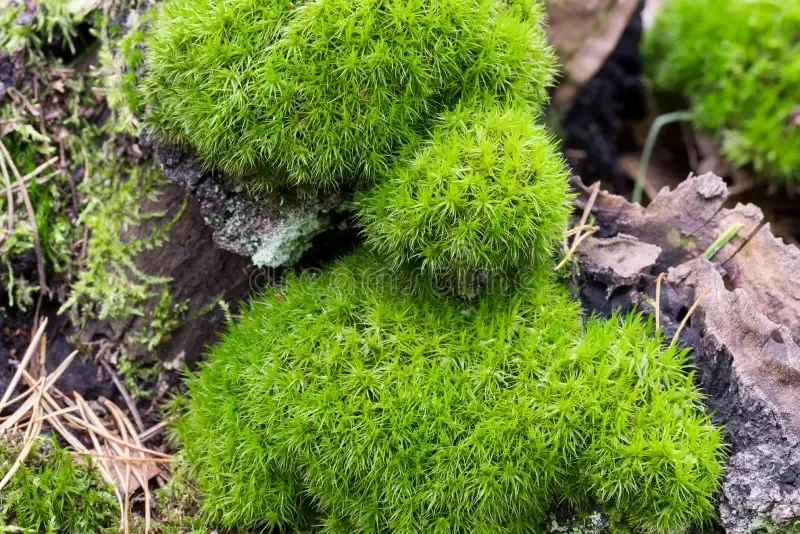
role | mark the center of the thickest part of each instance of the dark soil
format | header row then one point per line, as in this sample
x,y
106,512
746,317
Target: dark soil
x,y
598,127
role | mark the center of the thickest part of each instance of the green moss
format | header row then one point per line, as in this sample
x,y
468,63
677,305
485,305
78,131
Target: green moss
x,y
122,59
319,93
487,193
51,493
53,22
110,286
357,400
69,106
738,62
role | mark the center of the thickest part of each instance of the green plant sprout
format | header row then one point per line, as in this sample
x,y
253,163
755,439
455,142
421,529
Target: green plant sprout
x,y
722,240
650,143
738,63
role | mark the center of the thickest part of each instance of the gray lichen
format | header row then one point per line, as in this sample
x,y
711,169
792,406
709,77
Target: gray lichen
x,y
272,231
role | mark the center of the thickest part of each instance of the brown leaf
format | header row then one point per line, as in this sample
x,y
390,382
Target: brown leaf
x,y
585,32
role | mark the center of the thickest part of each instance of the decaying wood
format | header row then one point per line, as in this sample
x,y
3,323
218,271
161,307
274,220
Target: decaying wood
x,y
745,332
200,272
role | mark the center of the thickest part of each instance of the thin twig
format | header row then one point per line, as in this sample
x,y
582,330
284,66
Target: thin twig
x,y
686,319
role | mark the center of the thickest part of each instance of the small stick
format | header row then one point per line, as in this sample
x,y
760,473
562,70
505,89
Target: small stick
x,y
686,319
125,395
658,299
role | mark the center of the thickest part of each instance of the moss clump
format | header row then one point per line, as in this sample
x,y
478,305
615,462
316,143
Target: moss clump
x,y
318,93
50,493
487,193
738,61
352,400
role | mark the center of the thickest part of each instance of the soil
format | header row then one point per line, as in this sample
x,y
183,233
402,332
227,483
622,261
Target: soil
x,y
598,128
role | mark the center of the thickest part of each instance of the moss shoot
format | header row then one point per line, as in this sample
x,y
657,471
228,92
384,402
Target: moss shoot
x,y
349,400
321,93
738,62
51,493
487,194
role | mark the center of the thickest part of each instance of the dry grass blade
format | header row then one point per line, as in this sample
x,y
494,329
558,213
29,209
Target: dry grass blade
x,y
37,244
106,464
21,397
34,427
17,463
579,229
572,250
689,314
125,395
153,431
126,428
23,364
589,206
131,459
29,404
9,195
57,413
124,423
658,300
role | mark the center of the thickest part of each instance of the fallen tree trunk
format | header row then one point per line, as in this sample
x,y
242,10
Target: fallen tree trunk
x,y
744,332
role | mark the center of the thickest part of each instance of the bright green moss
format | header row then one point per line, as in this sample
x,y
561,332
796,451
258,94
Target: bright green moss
x,y
351,400
319,93
51,493
738,62
487,193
